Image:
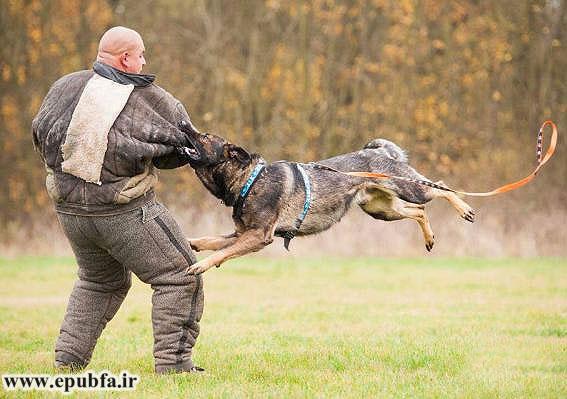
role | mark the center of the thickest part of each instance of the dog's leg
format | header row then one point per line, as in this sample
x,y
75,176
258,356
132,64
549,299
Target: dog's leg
x,y
461,206
249,241
417,213
213,243
428,235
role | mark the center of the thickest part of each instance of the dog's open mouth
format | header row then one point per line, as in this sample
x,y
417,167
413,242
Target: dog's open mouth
x,y
192,153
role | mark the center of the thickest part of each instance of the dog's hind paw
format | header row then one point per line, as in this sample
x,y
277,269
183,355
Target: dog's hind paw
x,y
468,215
429,244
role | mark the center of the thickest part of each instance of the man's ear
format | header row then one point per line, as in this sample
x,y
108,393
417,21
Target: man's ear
x,y
124,60
234,151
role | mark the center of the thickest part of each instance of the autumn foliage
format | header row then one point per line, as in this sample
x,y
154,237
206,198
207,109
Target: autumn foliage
x,y
462,85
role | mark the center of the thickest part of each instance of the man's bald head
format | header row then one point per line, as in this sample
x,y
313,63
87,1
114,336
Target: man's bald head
x,y
122,48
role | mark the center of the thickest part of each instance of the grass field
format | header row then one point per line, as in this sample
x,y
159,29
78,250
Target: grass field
x,y
323,328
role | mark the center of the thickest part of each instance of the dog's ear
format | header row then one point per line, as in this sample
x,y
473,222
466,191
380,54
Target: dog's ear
x,y
239,153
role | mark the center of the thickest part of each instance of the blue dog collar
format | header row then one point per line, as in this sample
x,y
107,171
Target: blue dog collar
x,y
251,179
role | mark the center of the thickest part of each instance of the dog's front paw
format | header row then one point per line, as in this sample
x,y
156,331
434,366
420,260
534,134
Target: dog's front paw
x,y
199,268
194,246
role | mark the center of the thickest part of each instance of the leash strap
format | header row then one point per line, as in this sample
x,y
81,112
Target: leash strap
x,y
502,189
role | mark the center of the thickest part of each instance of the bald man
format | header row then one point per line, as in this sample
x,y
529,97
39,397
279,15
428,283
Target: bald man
x,y
123,49
101,134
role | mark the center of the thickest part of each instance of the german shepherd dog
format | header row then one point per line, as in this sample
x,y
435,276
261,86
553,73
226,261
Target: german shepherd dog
x,y
278,194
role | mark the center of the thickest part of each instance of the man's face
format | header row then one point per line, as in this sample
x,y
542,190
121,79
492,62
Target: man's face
x,y
133,60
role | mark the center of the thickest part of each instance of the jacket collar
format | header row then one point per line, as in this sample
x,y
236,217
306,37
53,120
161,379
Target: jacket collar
x,y
121,77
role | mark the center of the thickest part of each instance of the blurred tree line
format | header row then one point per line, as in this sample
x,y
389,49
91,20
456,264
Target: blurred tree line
x,y
462,85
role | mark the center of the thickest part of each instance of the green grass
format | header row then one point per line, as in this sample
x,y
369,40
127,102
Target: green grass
x,y
323,328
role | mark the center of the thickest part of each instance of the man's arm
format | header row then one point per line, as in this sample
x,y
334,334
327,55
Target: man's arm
x,y
36,143
174,159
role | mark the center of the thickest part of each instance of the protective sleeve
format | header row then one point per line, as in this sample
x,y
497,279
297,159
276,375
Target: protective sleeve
x,y
172,160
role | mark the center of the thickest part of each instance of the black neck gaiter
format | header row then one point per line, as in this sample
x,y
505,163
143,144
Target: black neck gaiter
x,y
122,77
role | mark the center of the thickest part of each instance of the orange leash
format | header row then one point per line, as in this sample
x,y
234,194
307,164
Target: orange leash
x,y
499,190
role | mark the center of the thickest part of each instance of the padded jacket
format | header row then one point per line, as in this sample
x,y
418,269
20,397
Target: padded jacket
x,y
143,137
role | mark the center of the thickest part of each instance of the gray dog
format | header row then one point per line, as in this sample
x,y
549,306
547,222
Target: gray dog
x,y
289,199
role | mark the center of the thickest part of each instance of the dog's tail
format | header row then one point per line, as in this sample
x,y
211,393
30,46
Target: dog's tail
x,y
390,149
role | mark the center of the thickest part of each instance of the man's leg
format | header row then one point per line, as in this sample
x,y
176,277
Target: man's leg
x,y
150,244
98,293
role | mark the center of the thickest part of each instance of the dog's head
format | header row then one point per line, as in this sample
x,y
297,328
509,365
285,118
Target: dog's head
x,y
209,150
215,160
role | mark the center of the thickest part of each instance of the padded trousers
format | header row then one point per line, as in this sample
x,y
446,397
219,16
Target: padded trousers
x,y
147,242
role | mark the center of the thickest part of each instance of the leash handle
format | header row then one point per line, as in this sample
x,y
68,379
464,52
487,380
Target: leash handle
x,y
502,189
540,162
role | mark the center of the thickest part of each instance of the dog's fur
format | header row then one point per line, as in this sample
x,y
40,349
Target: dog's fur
x,y
277,197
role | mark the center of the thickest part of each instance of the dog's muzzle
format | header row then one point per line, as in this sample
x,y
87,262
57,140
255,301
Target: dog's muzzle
x,y
191,155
